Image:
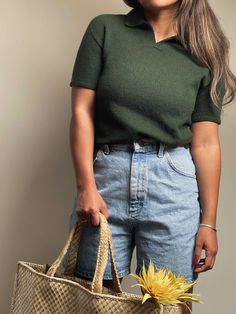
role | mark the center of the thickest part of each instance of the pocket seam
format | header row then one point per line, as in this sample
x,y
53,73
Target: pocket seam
x,y
171,163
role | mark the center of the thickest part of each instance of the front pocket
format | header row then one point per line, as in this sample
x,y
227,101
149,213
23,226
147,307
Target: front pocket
x,y
180,160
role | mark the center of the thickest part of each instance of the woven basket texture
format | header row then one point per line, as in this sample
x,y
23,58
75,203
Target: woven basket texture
x,y
44,289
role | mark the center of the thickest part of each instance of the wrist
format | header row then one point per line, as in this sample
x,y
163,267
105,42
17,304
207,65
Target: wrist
x,y
209,217
209,222
208,226
86,185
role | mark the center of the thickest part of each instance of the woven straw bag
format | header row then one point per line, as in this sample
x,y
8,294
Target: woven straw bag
x,y
45,289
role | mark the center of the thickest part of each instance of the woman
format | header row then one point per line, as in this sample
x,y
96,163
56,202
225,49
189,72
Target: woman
x,y
150,85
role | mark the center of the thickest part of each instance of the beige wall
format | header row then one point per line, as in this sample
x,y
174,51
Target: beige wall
x,y
39,40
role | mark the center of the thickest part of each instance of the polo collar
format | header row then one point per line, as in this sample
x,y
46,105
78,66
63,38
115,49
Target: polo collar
x,y
136,17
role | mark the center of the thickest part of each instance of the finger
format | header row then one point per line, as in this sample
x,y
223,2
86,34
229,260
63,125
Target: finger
x,y
95,218
83,216
82,213
104,211
213,262
208,262
197,253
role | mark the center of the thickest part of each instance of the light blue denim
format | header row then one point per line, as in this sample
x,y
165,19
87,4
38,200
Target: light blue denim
x,y
152,196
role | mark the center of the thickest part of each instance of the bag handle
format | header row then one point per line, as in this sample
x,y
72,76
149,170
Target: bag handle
x,y
105,243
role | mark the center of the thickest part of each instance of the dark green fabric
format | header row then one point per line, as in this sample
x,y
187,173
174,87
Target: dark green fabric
x,y
143,88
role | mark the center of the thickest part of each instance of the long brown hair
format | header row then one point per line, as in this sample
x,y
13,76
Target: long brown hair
x,y
194,23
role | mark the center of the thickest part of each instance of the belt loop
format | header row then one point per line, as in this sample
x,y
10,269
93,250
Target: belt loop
x,y
160,151
106,149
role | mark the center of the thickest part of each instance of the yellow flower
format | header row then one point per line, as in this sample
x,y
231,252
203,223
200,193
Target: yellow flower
x,y
164,287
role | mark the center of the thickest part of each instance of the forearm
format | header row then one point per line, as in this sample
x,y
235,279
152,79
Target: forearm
x,y
82,145
207,159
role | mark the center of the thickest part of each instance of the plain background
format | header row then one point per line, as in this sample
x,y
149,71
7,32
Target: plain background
x,y
39,41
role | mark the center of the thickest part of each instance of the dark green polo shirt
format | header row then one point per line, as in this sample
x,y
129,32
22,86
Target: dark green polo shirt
x,y
143,88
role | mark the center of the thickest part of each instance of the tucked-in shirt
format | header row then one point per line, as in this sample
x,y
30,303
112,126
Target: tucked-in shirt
x,y
143,88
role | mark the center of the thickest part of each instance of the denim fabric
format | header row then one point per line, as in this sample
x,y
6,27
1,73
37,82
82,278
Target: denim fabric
x,y
152,197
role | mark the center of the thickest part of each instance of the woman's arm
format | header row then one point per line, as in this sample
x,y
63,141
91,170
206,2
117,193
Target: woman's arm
x,y
205,150
90,201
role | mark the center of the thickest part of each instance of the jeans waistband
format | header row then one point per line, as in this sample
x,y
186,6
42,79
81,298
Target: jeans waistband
x,y
141,145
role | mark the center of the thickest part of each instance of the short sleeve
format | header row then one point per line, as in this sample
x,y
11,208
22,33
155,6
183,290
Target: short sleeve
x,y
205,109
88,61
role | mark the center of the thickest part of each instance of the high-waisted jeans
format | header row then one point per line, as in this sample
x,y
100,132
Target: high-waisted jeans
x,y
152,197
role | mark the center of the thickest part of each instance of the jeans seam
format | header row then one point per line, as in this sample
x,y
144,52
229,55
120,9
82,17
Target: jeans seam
x,y
177,169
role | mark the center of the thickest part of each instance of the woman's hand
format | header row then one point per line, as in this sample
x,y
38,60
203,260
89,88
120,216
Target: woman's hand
x,y
206,239
89,204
